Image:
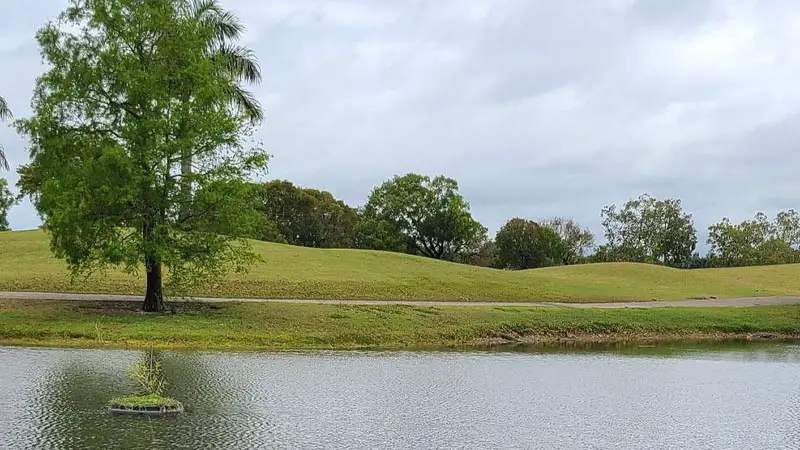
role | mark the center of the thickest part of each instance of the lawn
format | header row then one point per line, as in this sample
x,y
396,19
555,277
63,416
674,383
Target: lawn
x,y
310,326
298,272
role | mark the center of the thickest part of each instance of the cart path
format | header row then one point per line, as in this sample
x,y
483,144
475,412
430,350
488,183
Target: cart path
x,y
715,302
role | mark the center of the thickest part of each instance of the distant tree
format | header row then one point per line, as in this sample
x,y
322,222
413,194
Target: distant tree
x,y
306,217
128,92
697,262
5,113
787,227
430,213
755,242
486,256
577,241
7,200
524,244
649,230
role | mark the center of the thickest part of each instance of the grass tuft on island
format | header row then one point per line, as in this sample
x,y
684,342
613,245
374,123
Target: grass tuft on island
x,y
271,326
137,402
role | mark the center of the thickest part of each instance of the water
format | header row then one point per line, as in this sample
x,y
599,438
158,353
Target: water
x,y
671,397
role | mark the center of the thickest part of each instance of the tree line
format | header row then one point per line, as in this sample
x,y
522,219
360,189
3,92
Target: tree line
x,y
426,216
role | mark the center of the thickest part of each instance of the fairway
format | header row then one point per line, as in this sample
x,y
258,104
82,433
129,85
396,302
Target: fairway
x,y
299,272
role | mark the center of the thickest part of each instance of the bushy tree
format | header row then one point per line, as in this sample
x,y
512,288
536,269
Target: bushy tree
x,y
430,213
755,242
649,230
307,217
130,91
577,241
524,244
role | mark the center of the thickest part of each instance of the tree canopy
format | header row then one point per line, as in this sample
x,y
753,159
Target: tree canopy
x,y
524,244
649,230
577,241
757,241
430,214
129,92
303,216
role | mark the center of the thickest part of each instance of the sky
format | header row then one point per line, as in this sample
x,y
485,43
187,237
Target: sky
x,y
537,108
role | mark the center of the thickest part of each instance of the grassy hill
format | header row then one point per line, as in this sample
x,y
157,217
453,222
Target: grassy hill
x,y
297,272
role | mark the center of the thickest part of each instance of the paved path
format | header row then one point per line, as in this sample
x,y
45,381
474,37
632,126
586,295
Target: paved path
x,y
736,302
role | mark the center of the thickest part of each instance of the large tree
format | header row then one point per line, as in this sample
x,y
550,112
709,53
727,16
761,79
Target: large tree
x,y
577,241
646,229
5,113
130,91
430,213
524,244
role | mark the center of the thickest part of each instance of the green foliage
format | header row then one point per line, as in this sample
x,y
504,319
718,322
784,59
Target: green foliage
x,y
649,230
430,213
129,93
524,244
485,257
7,200
144,401
756,242
373,233
577,241
303,216
148,375
225,208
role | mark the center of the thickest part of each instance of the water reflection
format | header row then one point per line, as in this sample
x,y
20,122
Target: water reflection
x,y
751,350
741,395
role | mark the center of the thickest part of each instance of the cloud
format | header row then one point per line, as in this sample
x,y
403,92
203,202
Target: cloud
x,y
536,108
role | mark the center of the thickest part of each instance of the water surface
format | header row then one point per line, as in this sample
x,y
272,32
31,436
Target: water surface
x,y
741,396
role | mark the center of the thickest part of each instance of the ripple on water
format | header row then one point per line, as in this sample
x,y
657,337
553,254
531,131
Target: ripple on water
x,y
53,399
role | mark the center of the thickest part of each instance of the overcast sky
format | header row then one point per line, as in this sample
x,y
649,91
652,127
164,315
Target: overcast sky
x,y
537,108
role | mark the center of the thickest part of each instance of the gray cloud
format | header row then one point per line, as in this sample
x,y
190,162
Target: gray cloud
x,y
535,107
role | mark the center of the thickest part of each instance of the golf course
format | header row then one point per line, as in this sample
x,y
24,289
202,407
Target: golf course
x,y
307,273
291,272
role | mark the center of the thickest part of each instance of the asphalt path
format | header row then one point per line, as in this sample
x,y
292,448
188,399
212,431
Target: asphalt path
x,y
696,303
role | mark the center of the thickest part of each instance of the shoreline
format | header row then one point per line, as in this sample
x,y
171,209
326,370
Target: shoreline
x,y
279,327
533,342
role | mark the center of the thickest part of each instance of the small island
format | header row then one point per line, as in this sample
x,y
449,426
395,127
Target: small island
x,y
145,404
149,400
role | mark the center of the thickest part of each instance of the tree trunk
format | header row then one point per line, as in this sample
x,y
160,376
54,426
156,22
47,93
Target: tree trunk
x,y
154,298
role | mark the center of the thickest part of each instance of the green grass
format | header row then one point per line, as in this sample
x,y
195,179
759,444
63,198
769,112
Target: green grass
x,y
314,326
144,401
297,272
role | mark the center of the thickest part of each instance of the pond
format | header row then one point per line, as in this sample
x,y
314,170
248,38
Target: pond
x,y
734,396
